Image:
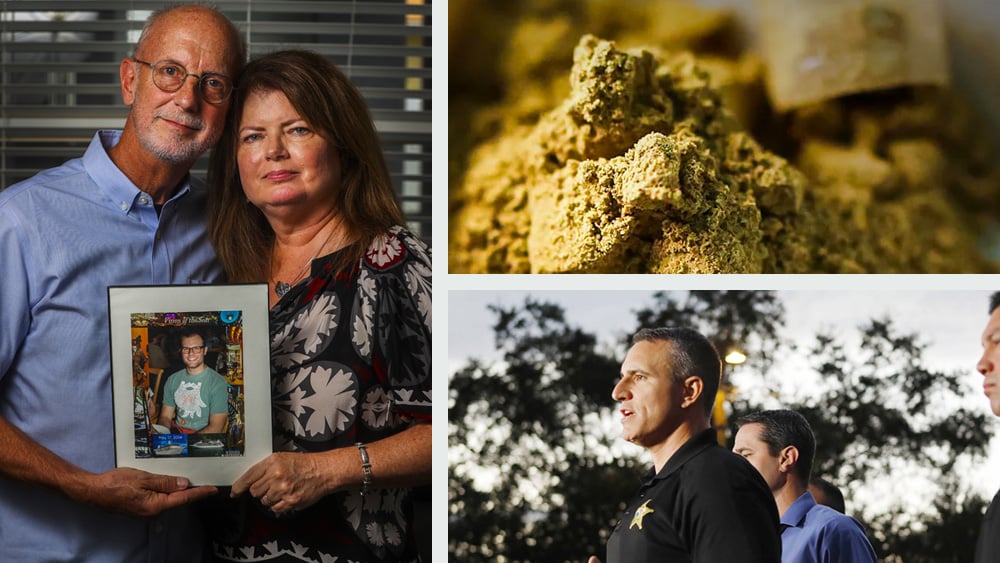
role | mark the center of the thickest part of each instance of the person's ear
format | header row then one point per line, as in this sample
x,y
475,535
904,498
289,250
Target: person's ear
x,y
787,458
129,77
694,387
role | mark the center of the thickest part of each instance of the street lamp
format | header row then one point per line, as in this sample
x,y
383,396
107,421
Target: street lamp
x,y
734,357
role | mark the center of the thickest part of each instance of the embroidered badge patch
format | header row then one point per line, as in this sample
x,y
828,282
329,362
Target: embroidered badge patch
x,y
640,513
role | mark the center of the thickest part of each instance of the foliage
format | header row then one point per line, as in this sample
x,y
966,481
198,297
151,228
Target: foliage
x,y
946,534
887,404
748,320
878,408
531,417
542,419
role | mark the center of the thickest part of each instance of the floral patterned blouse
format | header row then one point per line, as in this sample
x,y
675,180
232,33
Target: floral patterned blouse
x,y
350,362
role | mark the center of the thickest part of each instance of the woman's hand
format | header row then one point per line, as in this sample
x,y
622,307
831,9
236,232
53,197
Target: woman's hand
x,y
286,481
289,481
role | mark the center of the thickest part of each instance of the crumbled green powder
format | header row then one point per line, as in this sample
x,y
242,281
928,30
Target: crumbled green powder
x,y
626,175
642,167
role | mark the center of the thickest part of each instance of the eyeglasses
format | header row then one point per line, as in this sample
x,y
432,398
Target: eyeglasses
x,y
192,349
169,76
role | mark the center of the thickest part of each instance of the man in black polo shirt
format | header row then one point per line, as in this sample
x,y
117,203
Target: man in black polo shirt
x,y
700,502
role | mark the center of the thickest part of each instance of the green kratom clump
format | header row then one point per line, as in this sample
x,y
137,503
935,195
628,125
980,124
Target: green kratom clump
x,y
631,213
642,168
624,176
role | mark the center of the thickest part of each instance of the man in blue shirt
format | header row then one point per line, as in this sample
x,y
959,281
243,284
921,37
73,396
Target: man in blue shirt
x,y
781,445
126,213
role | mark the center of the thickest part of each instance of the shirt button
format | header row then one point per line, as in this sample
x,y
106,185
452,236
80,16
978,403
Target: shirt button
x,y
124,206
144,200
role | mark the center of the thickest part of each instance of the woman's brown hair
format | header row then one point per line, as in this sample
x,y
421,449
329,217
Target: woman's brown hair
x,y
327,100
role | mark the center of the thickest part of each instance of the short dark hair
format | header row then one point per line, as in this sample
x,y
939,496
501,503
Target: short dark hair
x,y
831,494
994,301
782,428
691,355
189,332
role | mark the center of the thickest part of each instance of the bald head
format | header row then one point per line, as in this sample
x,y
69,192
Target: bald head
x,y
215,30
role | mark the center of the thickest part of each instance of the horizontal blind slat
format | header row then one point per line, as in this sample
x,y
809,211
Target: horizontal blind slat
x,y
121,49
268,26
357,71
236,10
392,94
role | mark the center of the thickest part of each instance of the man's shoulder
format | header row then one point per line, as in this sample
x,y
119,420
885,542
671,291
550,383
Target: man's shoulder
x,y
713,468
826,518
216,376
69,171
176,375
837,533
714,459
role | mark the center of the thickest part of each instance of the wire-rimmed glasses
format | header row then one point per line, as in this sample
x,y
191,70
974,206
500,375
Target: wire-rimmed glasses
x,y
169,76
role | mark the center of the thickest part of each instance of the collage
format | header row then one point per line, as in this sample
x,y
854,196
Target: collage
x,y
714,281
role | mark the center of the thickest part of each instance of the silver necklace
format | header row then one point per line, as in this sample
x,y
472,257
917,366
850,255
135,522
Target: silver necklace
x,y
280,287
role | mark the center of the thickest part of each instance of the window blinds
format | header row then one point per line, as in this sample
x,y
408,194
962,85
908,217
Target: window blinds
x,y
59,75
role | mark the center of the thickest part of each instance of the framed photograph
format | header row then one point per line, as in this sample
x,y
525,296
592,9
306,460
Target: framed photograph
x,y
190,379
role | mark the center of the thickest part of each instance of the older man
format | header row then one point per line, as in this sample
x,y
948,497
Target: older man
x,y
126,213
699,502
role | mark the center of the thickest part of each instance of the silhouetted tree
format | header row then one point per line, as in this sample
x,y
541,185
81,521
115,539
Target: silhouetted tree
x,y
878,408
535,417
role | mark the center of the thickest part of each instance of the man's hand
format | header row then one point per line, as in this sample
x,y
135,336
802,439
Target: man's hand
x,y
137,493
122,490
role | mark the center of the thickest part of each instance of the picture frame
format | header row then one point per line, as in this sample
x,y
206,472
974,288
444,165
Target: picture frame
x,y
170,389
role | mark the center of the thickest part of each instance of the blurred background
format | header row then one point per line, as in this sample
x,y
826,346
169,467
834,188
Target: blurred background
x,y
886,378
973,32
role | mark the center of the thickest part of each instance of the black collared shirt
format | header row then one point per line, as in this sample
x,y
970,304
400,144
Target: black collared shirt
x,y
707,505
988,546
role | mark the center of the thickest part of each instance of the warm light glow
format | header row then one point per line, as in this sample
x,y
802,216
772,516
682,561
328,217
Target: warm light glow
x,y
735,357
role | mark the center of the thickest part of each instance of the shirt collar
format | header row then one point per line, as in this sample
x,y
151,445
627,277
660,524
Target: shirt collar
x,y
796,513
691,449
121,192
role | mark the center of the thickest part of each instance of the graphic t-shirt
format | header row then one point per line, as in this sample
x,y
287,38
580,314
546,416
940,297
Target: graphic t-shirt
x,y
196,397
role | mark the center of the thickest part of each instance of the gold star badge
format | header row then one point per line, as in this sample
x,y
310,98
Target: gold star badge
x,y
640,513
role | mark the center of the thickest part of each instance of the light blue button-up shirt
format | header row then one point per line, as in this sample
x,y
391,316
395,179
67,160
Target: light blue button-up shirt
x,y
813,533
66,234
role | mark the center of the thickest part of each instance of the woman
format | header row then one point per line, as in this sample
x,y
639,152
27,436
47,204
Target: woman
x,y
302,199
